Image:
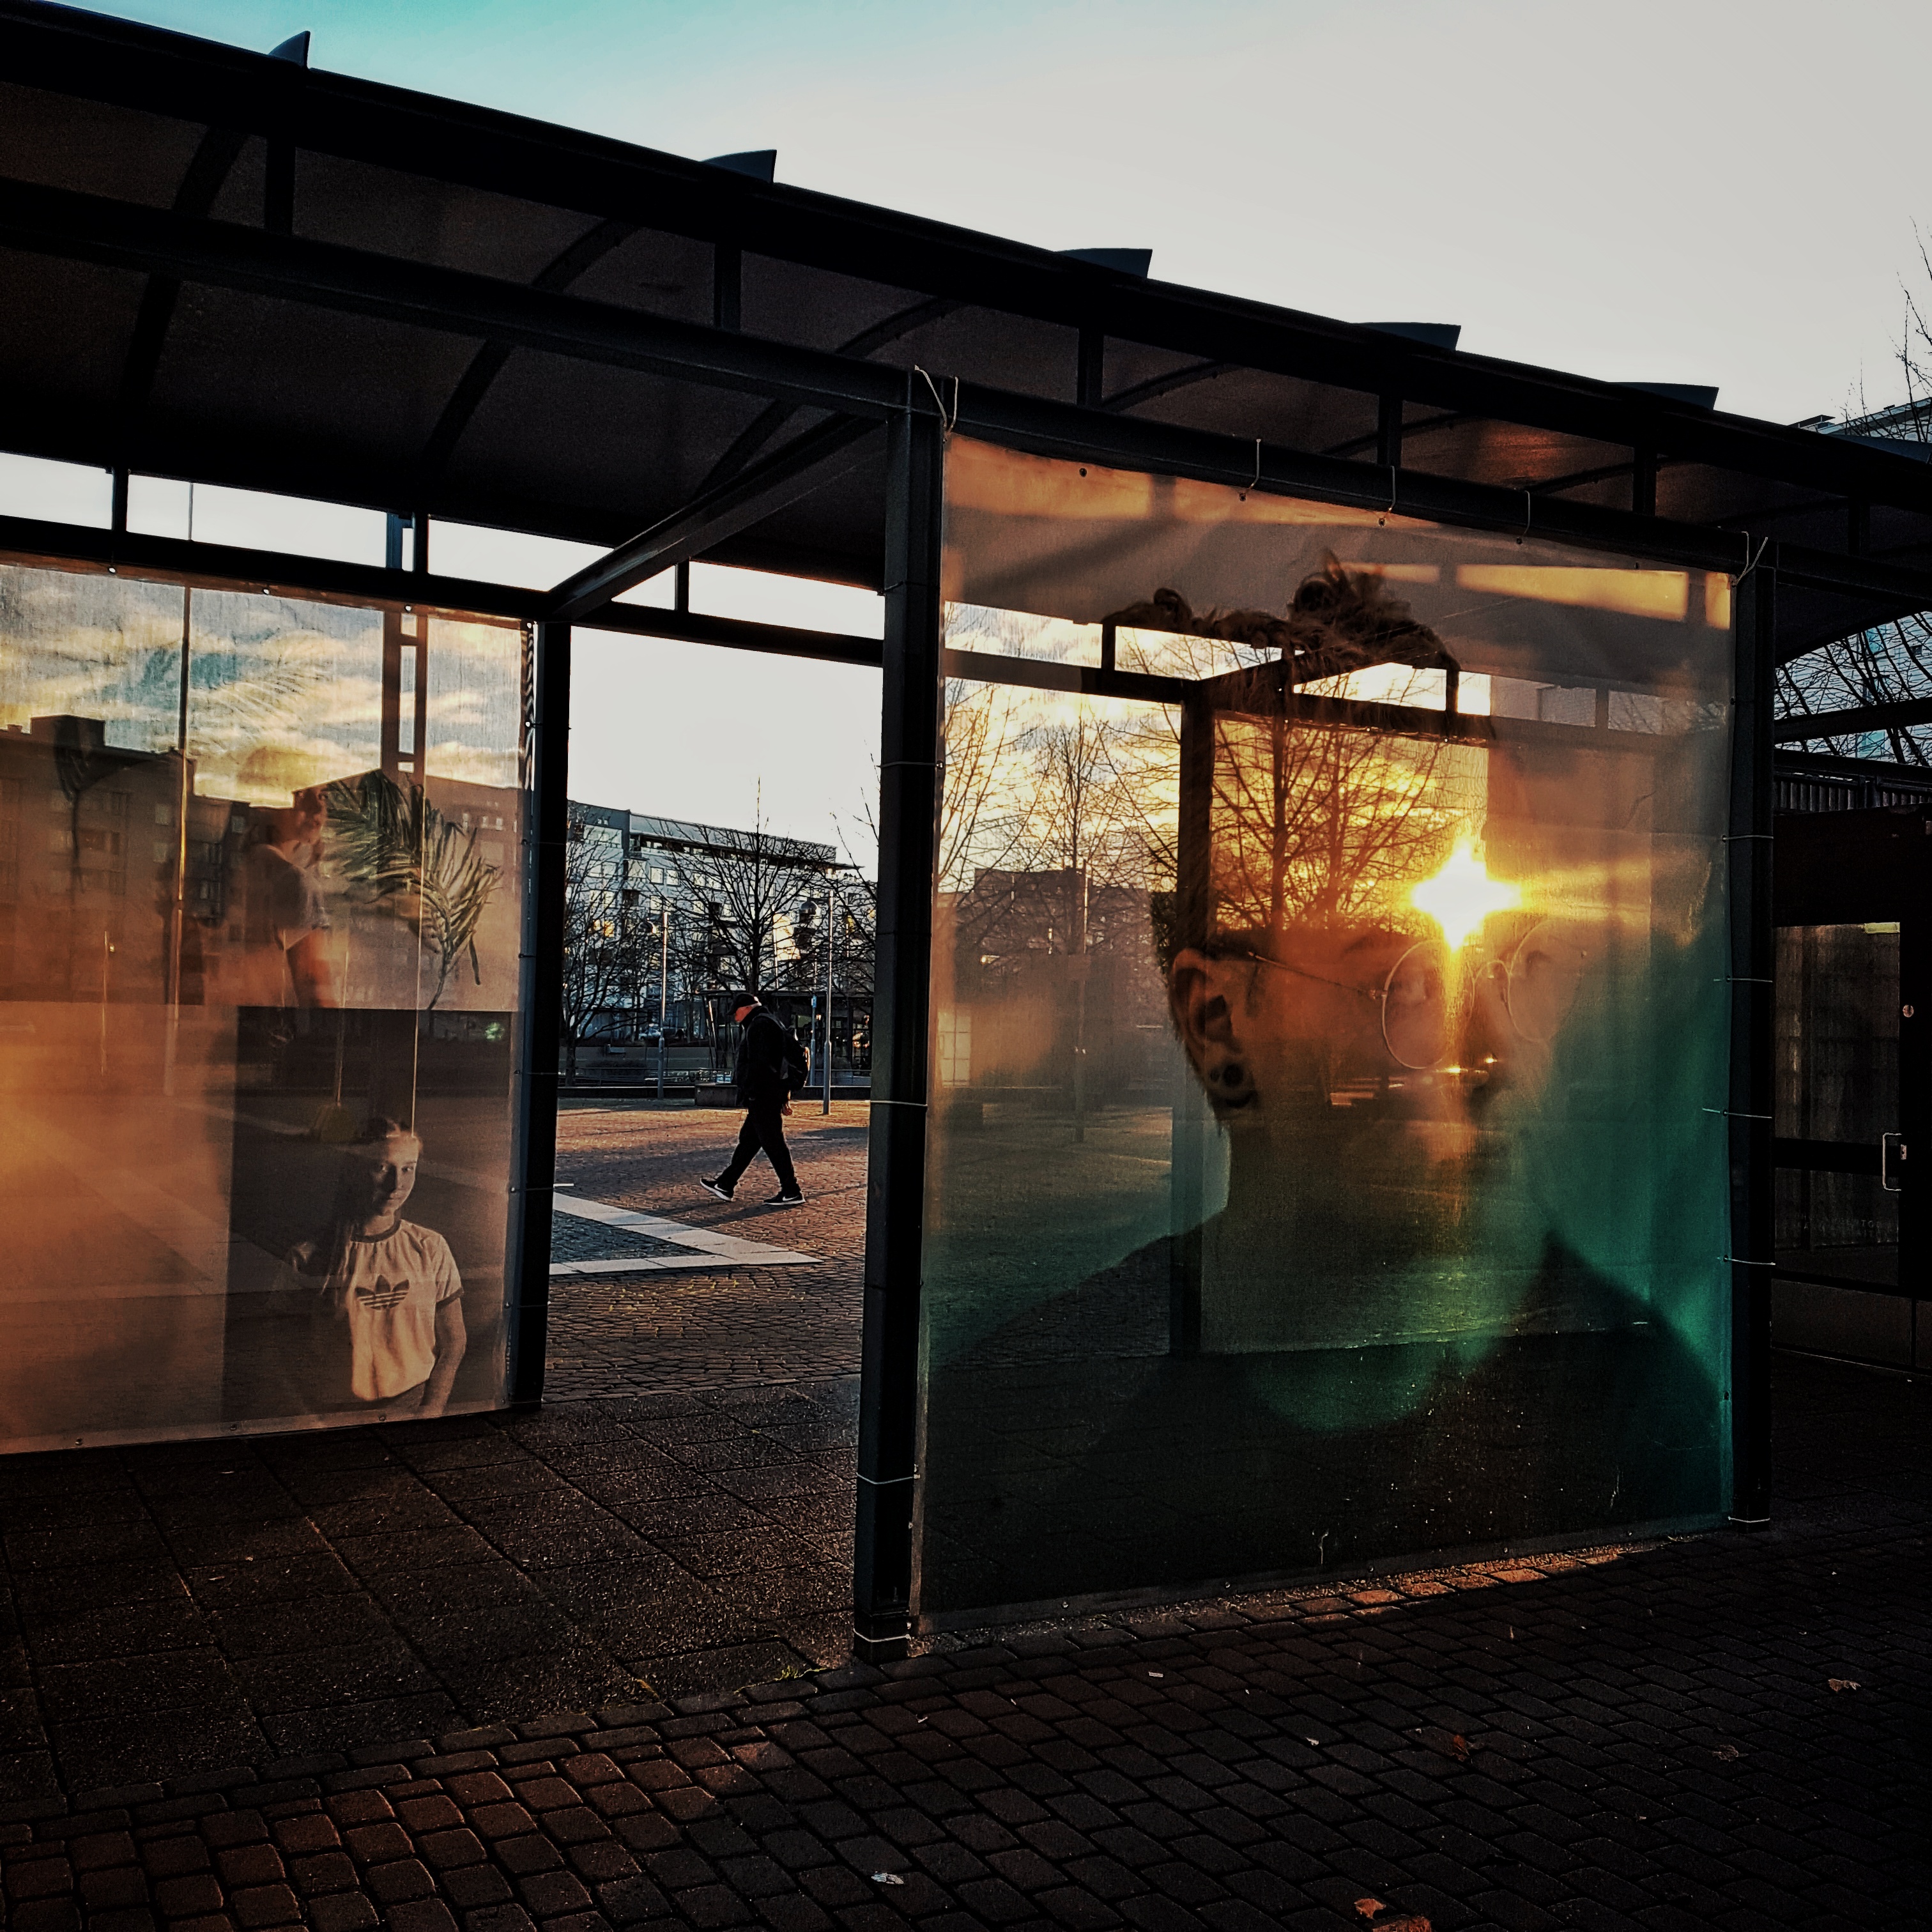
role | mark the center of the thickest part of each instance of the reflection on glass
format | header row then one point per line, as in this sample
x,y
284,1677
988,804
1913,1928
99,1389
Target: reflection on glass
x,y
259,883
1320,1170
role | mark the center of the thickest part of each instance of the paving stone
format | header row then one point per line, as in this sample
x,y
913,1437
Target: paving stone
x,y
1046,1778
346,1912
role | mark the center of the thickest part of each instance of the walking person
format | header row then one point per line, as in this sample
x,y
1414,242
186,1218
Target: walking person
x,y
770,1068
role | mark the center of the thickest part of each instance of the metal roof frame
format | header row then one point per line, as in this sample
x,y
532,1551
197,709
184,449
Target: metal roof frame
x,y
111,62
237,98
178,248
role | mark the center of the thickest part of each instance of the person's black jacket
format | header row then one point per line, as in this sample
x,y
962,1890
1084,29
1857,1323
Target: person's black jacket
x,y
764,1049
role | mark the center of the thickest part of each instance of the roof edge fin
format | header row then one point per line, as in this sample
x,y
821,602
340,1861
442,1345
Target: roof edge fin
x,y
1125,261
1698,395
760,163
1437,335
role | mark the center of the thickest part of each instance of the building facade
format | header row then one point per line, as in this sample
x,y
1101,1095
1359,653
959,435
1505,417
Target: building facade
x,y
666,917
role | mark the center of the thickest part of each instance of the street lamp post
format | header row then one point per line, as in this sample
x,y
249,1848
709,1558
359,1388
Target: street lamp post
x,y
825,1066
664,986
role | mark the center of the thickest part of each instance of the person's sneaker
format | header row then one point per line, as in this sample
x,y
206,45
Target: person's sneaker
x,y
715,1186
786,1200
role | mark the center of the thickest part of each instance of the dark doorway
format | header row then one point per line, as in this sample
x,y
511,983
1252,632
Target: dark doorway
x,y
1854,1003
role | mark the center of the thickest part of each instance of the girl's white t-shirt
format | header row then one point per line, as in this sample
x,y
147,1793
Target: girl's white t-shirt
x,y
387,1298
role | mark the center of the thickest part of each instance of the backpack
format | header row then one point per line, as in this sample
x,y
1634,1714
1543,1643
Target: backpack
x,y
797,1061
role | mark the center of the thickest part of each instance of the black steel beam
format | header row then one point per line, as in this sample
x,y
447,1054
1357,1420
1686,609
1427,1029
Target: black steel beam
x,y
152,241
1751,1160
1055,429
281,573
466,398
545,784
1643,467
909,781
276,572
121,234
1794,730
157,242
1090,378
769,421
738,633
1358,446
1388,432
1155,387
806,463
219,149
1234,689
1089,680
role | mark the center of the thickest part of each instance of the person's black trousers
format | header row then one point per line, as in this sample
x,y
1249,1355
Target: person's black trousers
x,y
764,1127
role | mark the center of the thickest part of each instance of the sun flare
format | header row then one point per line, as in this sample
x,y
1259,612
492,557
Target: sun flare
x,y
1462,895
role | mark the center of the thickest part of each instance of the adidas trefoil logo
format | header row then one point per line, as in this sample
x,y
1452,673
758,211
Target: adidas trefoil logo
x,y
382,1293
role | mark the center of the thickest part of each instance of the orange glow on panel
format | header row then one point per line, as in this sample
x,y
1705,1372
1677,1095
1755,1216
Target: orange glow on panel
x,y
1637,593
1717,600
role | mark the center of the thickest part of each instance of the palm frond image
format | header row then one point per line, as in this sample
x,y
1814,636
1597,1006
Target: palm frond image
x,y
394,847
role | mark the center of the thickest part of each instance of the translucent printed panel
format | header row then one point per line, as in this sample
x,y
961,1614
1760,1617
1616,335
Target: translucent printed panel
x,y
1327,1154
260,898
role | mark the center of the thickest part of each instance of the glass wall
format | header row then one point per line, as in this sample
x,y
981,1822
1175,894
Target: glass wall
x,y
1327,1159
260,904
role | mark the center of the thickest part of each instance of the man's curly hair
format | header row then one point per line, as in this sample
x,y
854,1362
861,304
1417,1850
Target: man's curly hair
x,y
1340,620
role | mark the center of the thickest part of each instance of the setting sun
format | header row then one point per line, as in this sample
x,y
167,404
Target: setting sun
x,y
1462,895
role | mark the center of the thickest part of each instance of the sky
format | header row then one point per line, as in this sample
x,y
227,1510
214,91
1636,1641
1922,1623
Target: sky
x,y
1706,191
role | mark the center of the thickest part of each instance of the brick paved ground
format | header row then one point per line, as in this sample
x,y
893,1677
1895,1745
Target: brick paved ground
x,y
178,1607
1653,1740
618,1335
1650,1741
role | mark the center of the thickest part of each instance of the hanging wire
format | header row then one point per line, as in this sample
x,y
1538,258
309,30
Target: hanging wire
x,y
1752,559
946,422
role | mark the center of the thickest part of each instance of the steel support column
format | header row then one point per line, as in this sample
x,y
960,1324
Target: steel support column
x,y
533,1155
1388,432
1643,481
1753,956
909,779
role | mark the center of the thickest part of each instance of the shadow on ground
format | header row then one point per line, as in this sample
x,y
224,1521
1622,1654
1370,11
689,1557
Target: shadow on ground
x,y
1722,1731
184,1607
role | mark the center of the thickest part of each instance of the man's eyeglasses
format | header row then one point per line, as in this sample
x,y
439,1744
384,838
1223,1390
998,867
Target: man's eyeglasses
x,y
1419,1005
1412,1002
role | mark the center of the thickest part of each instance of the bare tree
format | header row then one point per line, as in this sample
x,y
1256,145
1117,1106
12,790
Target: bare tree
x,y
980,820
748,888
1884,663
1317,824
1911,422
1314,821
607,941
1889,662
